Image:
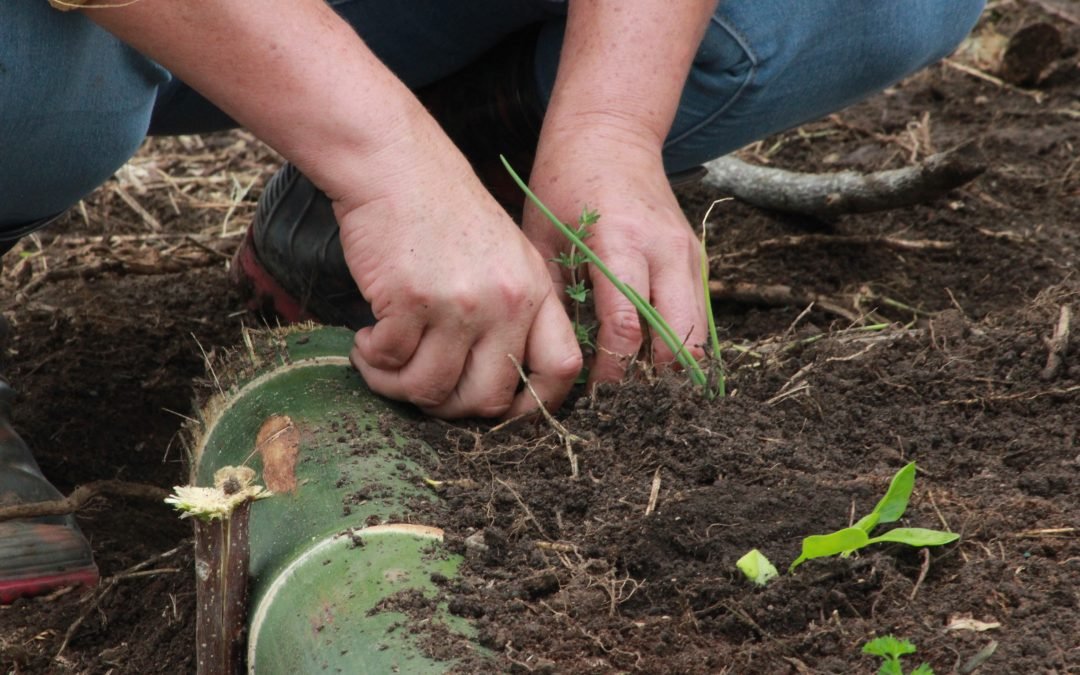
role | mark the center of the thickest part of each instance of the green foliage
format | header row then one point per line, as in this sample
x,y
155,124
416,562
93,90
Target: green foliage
x,y
576,290
890,649
888,510
659,325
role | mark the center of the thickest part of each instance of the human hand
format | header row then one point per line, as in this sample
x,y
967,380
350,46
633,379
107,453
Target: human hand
x,y
455,288
642,236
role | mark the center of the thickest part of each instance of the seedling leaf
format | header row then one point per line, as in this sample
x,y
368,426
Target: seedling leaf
x,y
888,647
588,217
868,522
891,667
834,543
923,669
895,501
916,536
577,292
756,567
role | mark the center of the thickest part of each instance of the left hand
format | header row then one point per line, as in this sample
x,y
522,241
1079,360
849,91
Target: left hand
x,y
642,236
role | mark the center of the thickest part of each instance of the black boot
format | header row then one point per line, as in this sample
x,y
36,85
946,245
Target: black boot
x,y
37,555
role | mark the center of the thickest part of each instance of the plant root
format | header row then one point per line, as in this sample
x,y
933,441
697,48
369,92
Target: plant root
x,y
81,495
833,194
776,295
568,438
109,583
1058,345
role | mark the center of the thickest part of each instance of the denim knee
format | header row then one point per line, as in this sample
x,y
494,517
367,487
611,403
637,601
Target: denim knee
x,y
768,65
77,105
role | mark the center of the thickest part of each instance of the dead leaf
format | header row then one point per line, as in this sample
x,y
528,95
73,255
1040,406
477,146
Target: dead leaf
x,y
278,443
968,623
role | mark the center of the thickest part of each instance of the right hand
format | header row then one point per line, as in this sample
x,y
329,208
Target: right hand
x,y
455,287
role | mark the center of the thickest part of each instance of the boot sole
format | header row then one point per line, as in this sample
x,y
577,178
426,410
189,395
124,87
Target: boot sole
x,y
11,590
261,291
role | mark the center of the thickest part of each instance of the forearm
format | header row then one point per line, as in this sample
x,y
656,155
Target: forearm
x,y
291,71
623,67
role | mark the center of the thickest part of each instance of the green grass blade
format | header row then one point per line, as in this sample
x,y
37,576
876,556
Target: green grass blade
x,y
710,320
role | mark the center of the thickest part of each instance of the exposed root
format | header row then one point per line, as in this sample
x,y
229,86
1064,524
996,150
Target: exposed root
x,y
795,241
833,194
568,438
109,583
83,494
777,295
922,573
1058,345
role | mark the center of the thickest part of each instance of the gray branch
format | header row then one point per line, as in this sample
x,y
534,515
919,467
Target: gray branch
x,y
832,194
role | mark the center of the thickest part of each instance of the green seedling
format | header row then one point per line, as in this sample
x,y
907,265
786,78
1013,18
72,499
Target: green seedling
x,y
890,649
888,510
756,567
656,322
576,290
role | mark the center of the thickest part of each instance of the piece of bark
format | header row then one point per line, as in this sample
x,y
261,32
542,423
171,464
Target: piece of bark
x,y
833,194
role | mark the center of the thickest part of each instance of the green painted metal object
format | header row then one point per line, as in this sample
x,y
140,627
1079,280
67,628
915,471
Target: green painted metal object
x,y
342,556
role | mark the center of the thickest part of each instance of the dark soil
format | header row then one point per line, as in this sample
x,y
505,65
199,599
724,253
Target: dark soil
x,y
108,348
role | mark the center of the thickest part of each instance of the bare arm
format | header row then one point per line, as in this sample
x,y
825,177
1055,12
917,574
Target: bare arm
x,y
454,284
623,68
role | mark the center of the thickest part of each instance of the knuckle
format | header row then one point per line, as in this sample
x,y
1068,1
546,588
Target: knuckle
x,y
569,366
624,325
428,394
491,408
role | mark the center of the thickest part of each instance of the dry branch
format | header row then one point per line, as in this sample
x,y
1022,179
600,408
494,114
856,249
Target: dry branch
x,y
832,194
80,496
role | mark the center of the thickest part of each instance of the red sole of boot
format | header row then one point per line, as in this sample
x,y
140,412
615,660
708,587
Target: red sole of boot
x,y
24,588
264,291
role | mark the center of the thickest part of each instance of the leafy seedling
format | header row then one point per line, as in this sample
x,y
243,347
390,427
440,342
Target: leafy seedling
x,y
656,322
756,567
576,290
888,510
890,649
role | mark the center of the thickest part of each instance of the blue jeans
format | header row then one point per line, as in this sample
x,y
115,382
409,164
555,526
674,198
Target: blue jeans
x,y
75,103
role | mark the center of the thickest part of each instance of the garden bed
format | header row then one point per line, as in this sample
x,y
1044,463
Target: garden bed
x,y
572,575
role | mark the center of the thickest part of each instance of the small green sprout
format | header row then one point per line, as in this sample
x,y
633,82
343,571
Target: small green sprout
x,y
890,649
573,260
756,567
888,510
659,325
